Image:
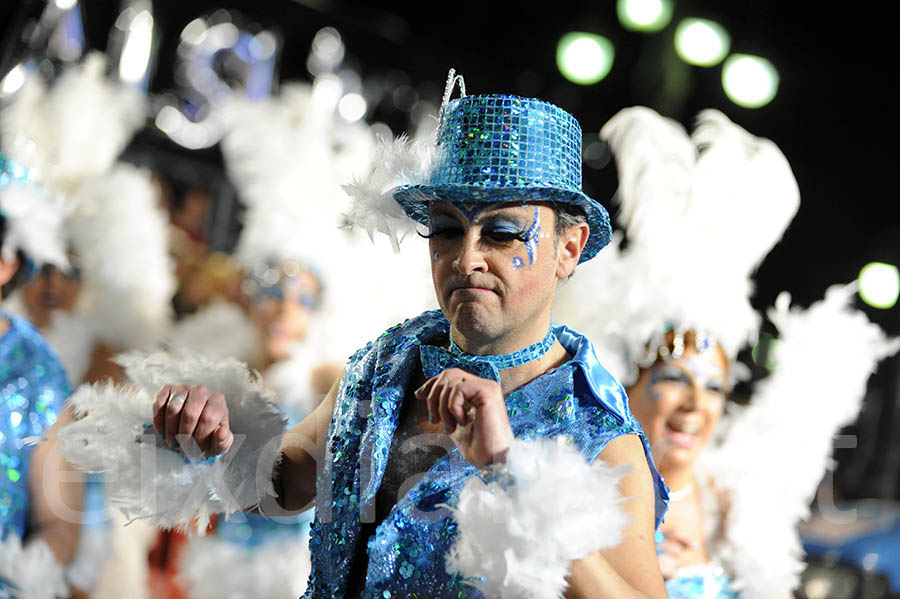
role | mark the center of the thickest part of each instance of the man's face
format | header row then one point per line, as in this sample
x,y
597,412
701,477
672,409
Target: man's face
x,y
494,266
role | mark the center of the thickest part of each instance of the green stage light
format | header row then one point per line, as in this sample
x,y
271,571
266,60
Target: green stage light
x,y
644,15
749,81
701,42
584,58
879,285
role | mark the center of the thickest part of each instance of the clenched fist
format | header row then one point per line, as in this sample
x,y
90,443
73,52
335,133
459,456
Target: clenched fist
x,y
196,413
473,412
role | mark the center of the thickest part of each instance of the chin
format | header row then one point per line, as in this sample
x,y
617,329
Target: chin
x,y
474,322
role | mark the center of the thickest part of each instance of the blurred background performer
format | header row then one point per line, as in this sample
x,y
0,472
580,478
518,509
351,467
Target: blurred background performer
x,y
40,495
116,295
287,156
669,312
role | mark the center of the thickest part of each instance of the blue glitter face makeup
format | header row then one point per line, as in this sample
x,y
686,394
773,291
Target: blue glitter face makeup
x,y
517,263
471,212
531,237
434,255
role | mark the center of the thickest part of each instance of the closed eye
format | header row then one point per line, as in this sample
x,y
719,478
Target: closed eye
x,y
442,233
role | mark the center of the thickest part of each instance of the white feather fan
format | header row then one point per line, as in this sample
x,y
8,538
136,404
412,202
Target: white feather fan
x,y
147,480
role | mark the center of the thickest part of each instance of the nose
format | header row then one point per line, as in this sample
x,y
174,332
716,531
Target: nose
x,y
470,257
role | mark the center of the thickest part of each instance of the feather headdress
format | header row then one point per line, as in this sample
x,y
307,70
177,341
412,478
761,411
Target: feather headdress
x,y
119,234
289,157
701,212
76,127
33,217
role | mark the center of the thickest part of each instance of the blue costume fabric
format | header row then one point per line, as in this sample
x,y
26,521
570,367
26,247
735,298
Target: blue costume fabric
x,y
33,387
405,555
700,582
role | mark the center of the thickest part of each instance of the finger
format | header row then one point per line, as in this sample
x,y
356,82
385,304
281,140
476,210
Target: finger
x,y
193,408
220,440
446,416
159,412
457,405
425,388
432,397
173,412
209,421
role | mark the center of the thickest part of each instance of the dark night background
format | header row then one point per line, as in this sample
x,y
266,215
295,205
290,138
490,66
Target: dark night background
x,y
835,115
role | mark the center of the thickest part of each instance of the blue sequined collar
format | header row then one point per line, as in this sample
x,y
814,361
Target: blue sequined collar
x,y
513,359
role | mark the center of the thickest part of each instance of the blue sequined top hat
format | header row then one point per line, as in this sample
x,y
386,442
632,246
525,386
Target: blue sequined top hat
x,y
501,148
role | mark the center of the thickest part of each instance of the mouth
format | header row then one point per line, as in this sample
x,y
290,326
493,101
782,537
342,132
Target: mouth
x,y
685,435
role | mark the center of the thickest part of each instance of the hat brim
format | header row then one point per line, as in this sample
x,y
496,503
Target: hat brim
x,y
414,200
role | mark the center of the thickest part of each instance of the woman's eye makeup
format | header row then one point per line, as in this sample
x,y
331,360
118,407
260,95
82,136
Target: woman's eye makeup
x,y
668,374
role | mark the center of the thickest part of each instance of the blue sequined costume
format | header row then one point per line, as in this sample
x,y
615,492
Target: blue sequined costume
x,y
33,387
700,582
405,555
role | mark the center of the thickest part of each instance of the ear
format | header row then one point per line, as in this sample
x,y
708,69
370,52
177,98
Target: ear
x,y
7,269
571,242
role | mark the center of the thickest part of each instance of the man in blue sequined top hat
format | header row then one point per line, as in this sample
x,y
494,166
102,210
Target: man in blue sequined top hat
x,y
434,407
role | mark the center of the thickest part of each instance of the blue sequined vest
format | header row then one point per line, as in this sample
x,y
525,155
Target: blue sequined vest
x,y
33,387
406,553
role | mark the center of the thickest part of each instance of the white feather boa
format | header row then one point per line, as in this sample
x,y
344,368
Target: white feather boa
x,y
216,569
33,569
518,536
777,450
146,480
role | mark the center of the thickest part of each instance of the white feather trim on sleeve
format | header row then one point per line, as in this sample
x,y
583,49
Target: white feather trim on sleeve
x,y
517,540
147,480
783,440
33,569
217,569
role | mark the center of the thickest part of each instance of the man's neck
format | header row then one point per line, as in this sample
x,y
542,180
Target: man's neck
x,y
513,378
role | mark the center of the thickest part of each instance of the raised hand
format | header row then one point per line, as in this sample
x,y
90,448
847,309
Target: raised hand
x,y
473,412
195,412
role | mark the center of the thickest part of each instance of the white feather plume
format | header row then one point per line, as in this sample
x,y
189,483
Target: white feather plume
x,y
518,540
700,213
824,357
33,569
397,162
146,480
119,234
34,220
288,156
77,127
217,569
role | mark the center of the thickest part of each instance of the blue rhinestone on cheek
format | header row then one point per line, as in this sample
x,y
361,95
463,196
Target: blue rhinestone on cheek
x,y
517,263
